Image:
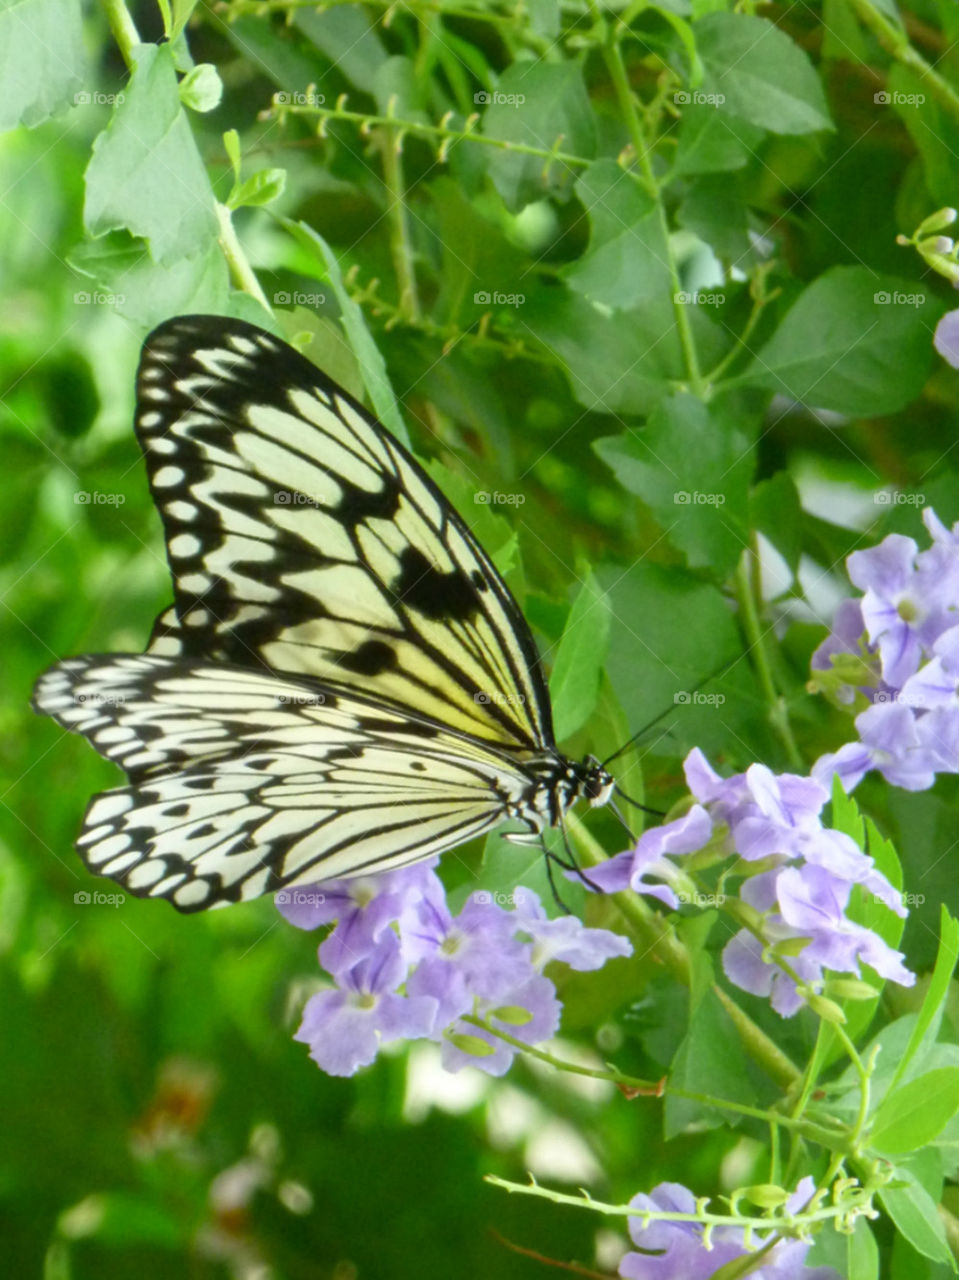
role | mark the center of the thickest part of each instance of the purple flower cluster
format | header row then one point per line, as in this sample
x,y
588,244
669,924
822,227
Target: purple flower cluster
x,y
798,895
676,1250
895,652
405,968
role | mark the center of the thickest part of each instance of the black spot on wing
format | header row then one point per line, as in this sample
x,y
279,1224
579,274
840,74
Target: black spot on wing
x,y
432,593
371,658
358,504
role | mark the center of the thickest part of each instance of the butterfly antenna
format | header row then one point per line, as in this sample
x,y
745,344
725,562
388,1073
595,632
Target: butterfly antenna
x,y
618,813
665,712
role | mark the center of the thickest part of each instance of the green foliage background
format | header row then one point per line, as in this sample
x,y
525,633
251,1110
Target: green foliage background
x,y
461,223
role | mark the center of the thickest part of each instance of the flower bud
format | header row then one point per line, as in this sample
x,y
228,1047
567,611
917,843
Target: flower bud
x,y
826,1009
937,221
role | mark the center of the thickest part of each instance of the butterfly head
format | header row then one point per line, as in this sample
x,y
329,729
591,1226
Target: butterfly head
x,y
596,782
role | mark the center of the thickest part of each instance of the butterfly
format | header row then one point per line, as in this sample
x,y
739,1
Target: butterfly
x,y
344,683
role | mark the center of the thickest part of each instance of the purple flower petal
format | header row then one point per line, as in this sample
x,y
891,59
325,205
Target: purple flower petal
x,y
946,338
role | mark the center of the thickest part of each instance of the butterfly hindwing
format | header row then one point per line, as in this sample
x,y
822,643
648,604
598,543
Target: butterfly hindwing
x,y
303,538
243,782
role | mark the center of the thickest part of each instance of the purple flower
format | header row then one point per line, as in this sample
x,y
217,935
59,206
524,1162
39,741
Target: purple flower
x,y
848,629
566,938
812,903
675,1250
629,870
405,967
529,1011
946,338
362,907
909,601
891,739
345,1028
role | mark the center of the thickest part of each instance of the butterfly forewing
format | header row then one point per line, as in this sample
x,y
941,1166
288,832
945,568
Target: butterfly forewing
x,y
305,539
243,782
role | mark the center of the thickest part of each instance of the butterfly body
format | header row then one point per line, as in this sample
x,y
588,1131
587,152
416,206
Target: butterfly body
x,y
344,682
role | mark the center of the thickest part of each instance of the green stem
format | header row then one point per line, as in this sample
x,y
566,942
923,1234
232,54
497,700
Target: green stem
x,y
613,57
833,1140
778,716
443,132
652,931
789,1225
506,22
895,41
763,1050
401,248
739,346
122,28
240,270
864,1083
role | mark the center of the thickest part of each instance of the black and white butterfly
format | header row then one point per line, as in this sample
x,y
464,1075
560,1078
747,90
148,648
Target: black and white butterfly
x,y
344,683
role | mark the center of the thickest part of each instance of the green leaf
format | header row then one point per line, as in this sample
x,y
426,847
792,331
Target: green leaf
x,y
201,88
258,189
912,1115
862,1253
539,104
760,74
693,471
845,815
580,660
774,510
933,129
671,631
626,263
842,36
42,60
348,38
710,1061
914,1213
146,293
854,342
616,363
710,142
354,322
933,1006
715,211
146,175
